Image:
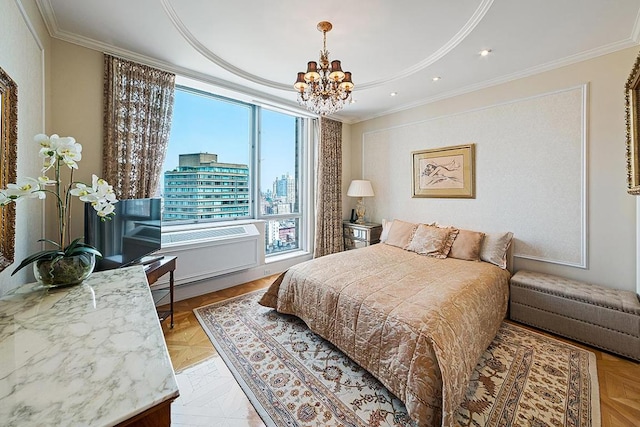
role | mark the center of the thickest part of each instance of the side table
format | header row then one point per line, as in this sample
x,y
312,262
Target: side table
x,y
360,235
156,270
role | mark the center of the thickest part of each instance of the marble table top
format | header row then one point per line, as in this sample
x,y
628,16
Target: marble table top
x,y
92,354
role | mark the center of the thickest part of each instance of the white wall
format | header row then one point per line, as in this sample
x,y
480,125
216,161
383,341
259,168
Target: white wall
x,y
76,100
23,42
611,212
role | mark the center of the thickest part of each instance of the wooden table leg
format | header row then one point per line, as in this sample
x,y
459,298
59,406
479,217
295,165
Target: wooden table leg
x,y
171,295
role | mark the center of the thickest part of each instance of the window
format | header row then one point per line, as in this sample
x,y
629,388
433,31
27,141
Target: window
x,y
230,160
279,180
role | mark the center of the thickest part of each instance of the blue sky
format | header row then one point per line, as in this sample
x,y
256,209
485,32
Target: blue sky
x,y
203,124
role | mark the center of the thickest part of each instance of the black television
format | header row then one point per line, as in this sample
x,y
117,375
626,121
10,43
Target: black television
x,y
130,237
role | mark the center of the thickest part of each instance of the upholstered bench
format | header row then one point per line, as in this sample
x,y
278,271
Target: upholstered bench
x,y
605,318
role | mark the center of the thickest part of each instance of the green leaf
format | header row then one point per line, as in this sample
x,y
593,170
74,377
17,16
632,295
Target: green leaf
x,y
82,249
56,244
50,254
78,247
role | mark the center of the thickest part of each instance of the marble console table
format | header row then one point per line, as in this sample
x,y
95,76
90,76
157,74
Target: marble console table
x,y
89,355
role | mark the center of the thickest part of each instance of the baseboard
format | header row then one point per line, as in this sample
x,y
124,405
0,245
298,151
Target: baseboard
x,y
213,284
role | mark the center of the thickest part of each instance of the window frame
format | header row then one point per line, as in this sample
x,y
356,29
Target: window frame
x,y
303,158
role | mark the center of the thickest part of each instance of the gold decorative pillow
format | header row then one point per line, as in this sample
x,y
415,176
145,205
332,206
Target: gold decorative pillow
x,y
400,233
467,245
432,241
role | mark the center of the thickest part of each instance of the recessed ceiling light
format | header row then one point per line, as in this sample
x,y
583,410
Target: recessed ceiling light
x,y
485,52
435,79
393,93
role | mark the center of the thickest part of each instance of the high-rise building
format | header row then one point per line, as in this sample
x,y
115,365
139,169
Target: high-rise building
x,y
202,188
284,190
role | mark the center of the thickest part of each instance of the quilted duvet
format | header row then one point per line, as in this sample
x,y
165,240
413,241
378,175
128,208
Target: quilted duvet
x,y
417,324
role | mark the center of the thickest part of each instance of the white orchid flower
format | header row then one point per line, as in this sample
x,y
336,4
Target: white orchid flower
x,y
82,191
67,150
102,189
45,180
46,165
56,148
100,195
43,140
103,208
47,151
26,188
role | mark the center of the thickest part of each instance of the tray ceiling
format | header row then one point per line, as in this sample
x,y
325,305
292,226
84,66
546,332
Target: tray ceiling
x,y
257,47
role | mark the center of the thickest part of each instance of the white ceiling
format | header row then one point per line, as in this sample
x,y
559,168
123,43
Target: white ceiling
x,y
256,47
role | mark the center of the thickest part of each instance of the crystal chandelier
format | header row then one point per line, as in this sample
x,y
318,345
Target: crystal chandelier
x,y
324,90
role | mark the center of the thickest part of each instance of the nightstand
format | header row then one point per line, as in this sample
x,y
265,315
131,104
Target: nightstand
x,y
360,235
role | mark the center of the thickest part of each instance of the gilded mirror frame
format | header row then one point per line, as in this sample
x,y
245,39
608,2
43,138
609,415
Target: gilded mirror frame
x,y
8,161
632,113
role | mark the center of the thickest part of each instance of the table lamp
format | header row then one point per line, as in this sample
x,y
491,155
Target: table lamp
x,y
360,188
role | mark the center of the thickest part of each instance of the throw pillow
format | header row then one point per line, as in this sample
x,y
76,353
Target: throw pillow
x,y
432,241
467,245
386,225
400,233
494,248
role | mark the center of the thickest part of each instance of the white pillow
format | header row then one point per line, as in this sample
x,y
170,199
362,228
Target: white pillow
x,y
494,248
386,225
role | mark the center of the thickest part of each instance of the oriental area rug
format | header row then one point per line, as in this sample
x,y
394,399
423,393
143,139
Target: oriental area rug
x,y
295,378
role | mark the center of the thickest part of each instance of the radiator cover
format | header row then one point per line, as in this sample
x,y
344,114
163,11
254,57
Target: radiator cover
x,y
208,252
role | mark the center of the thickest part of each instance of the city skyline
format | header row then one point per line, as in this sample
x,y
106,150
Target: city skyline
x,y
210,125
223,130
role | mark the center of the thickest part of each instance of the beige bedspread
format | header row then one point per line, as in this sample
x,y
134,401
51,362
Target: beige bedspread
x,y
418,324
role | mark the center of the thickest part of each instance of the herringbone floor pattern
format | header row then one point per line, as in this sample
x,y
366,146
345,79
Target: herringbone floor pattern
x,y
619,378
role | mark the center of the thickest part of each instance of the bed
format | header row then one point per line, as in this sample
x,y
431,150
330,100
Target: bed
x,y
416,323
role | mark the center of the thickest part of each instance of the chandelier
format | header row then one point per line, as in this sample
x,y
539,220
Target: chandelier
x,y
324,90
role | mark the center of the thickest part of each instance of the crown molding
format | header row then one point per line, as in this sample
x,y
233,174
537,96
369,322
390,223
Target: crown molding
x,y
635,33
176,69
27,21
48,16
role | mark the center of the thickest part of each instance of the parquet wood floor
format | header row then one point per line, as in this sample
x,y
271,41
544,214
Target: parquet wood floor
x,y
619,378
187,342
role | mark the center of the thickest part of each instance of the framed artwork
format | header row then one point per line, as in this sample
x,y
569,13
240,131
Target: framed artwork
x,y
444,172
8,153
632,119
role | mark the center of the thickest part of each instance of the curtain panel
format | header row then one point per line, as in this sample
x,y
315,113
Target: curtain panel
x,y
138,107
328,237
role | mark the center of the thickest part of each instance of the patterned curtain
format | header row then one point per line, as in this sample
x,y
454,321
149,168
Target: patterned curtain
x,y
329,189
138,106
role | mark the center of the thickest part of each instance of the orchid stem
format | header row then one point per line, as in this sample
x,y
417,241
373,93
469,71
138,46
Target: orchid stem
x,y
61,212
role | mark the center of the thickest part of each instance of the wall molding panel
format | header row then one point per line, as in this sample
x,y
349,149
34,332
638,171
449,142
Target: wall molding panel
x,y
531,177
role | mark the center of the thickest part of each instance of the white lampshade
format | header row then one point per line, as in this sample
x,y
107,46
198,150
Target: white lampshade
x,y
360,188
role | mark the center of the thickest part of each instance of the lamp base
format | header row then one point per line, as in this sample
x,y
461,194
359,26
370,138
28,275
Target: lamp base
x,y
360,211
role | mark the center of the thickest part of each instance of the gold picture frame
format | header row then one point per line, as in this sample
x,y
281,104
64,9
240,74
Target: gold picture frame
x,y
8,159
632,113
444,172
